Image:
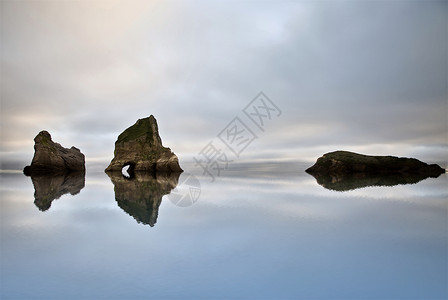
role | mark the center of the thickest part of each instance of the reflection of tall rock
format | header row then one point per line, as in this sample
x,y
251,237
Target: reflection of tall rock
x,y
141,195
141,148
51,158
343,170
49,188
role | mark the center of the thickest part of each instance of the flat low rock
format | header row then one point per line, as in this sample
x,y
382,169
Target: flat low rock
x,y
51,158
345,162
140,147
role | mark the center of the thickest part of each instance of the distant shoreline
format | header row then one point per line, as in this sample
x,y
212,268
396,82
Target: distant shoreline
x,y
7,171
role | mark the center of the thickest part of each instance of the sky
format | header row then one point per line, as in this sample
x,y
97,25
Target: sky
x,y
364,76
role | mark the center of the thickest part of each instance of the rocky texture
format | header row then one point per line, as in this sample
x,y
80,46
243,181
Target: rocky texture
x,y
343,170
141,195
141,148
344,162
49,188
51,158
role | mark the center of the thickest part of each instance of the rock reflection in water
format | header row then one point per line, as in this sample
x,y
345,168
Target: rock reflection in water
x,y
48,188
141,195
352,181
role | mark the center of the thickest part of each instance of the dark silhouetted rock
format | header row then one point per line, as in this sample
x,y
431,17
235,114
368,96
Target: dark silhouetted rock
x,y
352,181
343,170
49,188
140,147
51,158
141,195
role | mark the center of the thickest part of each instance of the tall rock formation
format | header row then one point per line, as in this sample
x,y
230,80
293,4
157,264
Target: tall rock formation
x,y
140,148
51,158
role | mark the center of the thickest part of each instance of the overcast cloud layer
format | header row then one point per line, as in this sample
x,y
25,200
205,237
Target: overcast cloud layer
x,y
368,76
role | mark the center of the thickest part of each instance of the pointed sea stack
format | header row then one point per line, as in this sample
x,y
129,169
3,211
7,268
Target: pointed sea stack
x,y
140,148
51,158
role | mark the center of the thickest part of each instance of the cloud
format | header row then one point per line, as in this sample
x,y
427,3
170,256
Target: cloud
x,y
343,73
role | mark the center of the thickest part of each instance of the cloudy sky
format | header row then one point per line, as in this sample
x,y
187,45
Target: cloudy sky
x,y
366,76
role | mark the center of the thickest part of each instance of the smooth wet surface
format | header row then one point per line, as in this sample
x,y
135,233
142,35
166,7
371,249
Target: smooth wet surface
x,y
256,233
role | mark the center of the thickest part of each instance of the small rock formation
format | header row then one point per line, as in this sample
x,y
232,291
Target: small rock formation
x,y
49,188
140,148
343,170
51,158
141,195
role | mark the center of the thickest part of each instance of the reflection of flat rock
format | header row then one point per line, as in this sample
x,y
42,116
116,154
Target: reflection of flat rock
x,y
346,182
343,170
141,195
49,188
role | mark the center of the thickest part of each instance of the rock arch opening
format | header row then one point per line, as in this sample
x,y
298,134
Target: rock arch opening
x,y
128,170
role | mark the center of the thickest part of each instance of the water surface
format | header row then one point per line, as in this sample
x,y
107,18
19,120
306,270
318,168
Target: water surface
x,y
260,231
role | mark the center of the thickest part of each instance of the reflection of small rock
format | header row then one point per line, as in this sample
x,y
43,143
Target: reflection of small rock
x,y
52,158
343,170
140,148
49,188
141,195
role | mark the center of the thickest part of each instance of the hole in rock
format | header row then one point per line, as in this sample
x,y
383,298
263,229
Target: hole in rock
x,y
128,170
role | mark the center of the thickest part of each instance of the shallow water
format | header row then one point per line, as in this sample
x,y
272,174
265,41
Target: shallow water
x,y
260,231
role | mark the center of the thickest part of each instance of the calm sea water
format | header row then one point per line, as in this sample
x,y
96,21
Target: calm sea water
x,y
260,231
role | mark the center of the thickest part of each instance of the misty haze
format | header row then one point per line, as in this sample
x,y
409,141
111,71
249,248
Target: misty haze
x,y
223,150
